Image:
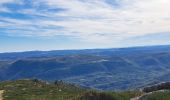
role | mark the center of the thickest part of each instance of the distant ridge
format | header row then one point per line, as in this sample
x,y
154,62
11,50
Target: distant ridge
x,y
104,69
132,47
26,54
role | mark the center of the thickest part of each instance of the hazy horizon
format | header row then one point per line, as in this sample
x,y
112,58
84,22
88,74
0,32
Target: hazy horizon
x,y
141,46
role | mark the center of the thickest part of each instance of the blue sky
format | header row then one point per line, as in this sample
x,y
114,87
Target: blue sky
x,y
79,24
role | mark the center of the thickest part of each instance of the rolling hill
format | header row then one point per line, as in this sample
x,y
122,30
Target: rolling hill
x,y
104,69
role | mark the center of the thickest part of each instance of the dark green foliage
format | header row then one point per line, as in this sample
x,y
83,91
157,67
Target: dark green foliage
x,y
96,95
161,95
102,96
162,86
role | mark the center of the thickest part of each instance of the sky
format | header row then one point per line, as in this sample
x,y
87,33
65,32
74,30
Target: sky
x,y
27,25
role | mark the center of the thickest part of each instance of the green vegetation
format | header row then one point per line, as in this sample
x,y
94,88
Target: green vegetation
x,y
94,95
162,86
38,90
161,95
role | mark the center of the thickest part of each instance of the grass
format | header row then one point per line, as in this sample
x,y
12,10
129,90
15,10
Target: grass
x,y
38,90
30,90
161,95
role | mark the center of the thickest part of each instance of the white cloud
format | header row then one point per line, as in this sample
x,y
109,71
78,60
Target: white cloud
x,y
6,1
133,17
95,20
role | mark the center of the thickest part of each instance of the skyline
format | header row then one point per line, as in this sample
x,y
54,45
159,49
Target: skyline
x,y
27,25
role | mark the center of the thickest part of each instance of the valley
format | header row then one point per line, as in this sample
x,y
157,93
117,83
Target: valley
x,y
103,69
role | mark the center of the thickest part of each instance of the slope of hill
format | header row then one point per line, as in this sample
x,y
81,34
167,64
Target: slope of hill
x,y
158,95
106,69
39,90
159,91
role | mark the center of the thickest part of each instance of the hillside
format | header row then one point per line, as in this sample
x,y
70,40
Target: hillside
x,y
159,95
39,90
159,91
104,69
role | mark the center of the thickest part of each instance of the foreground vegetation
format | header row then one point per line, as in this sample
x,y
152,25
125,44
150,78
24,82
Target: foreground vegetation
x,y
157,92
38,90
161,95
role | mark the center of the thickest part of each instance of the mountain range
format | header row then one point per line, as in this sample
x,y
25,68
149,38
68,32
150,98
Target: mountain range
x,y
103,69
